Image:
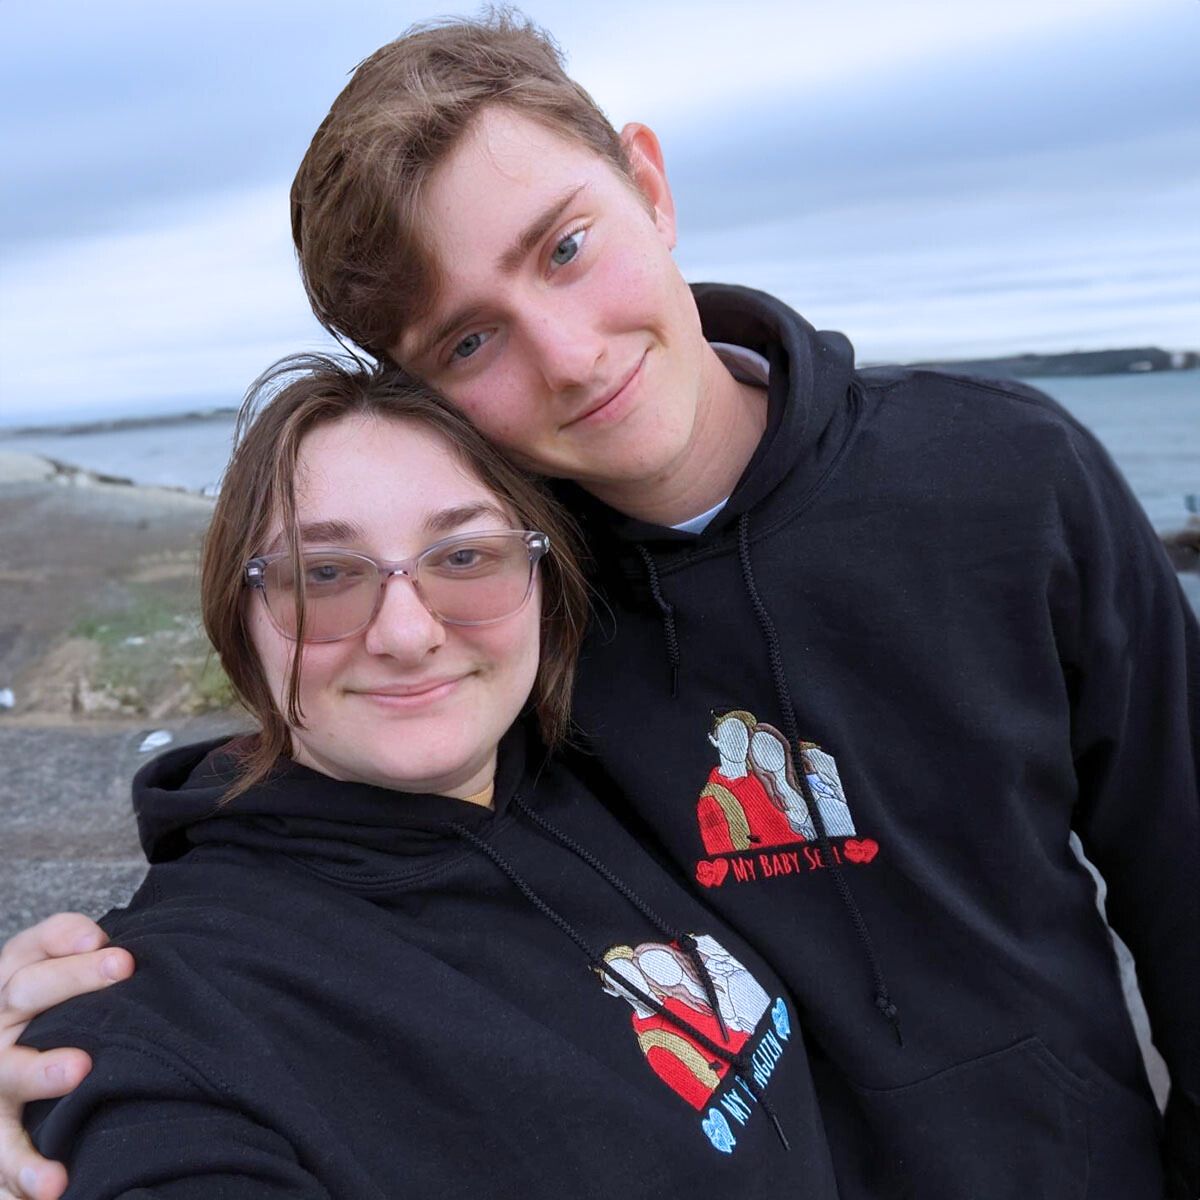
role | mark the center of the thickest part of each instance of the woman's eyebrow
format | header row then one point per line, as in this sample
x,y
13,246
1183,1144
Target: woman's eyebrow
x,y
328,532
447,520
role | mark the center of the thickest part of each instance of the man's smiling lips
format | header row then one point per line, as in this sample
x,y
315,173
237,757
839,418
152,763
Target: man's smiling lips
x,y
613,404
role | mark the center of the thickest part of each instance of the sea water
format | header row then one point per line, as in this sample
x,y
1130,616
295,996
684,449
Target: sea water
x,y
1150,424
187,452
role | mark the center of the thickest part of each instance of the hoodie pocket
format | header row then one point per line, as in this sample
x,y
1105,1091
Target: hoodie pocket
x,y
1010,1125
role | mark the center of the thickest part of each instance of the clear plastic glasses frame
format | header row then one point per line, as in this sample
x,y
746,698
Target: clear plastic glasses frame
x,y
466,579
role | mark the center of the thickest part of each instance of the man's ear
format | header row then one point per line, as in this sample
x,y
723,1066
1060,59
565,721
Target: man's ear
x,y
650,176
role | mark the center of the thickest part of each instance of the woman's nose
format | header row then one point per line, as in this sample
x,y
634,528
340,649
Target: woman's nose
x,y
403,627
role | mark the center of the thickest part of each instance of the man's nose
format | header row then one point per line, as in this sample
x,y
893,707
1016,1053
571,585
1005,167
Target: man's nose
x,y
566,345
403,627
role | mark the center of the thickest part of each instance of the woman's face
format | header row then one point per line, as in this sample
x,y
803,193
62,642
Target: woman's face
x,y
409,703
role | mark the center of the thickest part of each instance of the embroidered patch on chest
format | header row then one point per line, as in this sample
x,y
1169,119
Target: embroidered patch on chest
x,y
761,815
699,1032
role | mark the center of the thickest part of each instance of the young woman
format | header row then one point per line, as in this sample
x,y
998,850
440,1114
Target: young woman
x,y
386,947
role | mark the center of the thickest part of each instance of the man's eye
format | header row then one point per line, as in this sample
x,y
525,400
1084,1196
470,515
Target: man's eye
x,y
568,248
468,345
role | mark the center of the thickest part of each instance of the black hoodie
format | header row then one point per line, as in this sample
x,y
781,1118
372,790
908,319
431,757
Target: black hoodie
x,y
938,594
344,991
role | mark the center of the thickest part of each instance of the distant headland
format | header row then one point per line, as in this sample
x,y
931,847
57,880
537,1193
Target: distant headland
x,y
1131,361
123,424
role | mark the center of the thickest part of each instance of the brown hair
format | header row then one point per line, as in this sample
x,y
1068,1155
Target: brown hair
x,y
356,199
284,404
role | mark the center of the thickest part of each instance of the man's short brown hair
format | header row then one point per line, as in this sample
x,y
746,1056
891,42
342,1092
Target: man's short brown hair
x,y
356,200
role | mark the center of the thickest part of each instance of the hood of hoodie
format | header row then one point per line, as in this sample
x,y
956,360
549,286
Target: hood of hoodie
x,y
178,799
810,403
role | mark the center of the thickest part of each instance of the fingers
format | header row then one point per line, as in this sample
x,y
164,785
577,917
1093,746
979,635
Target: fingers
x,y
27,1074
41,985
32,1177
55,937
63,956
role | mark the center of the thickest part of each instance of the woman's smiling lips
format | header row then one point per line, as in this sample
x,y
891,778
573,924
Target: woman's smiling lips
x,y
404,696
615,404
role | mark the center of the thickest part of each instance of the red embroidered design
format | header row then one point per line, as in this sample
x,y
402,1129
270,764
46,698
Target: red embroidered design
x,y
860,850
754,799
662,972
712,874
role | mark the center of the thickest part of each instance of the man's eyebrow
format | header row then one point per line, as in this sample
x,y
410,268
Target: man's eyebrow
x,y
537,229
326,532
427,345
447,520
509,261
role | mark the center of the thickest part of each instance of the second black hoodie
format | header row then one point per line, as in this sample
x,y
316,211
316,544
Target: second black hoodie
x,y
344,991
932,615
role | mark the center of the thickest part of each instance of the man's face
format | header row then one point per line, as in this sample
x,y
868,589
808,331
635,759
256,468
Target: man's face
x,y
563,327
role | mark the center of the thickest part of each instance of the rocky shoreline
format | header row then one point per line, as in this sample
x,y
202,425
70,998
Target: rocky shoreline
x,y
100,645
99,614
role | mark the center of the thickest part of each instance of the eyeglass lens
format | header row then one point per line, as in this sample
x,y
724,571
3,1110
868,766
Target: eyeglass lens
x,y
470,580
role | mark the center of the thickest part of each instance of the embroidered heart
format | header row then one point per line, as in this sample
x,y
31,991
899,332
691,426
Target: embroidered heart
x,y
860,850
712,874
719,1133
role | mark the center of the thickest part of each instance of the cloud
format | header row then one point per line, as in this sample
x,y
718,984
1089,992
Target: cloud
x,y
131,103
961,122
194,306
923,174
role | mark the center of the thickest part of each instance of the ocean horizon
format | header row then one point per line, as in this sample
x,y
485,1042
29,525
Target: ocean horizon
x,y
1148,422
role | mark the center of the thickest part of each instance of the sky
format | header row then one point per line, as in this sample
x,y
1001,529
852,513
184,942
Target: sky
x,y
936,179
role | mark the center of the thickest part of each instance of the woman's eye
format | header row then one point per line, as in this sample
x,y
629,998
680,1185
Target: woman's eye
x,y
468,345
325,573
567,248
467,557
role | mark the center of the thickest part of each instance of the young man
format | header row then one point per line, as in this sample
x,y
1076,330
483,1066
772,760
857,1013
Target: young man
x,y
942,618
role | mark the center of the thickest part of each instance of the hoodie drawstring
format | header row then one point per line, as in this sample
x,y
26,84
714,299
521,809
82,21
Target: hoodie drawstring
x,y
883,1000
739,1062
685,941
668,616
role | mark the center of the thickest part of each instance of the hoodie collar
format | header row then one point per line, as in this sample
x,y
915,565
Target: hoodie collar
x,y
810,378
178,801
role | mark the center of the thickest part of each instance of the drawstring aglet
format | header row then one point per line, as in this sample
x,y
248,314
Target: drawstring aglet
x,y
775,1122
741,1066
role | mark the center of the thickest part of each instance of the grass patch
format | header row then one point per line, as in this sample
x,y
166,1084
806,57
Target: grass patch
x,y
211,686
149,613
153,655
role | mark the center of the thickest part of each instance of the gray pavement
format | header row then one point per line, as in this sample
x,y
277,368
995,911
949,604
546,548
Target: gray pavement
x,y
67,836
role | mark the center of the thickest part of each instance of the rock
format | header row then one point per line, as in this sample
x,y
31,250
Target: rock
x,y
24,468
1183,548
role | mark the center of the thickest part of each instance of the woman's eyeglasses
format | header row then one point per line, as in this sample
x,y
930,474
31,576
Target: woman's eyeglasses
x,y
468,579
